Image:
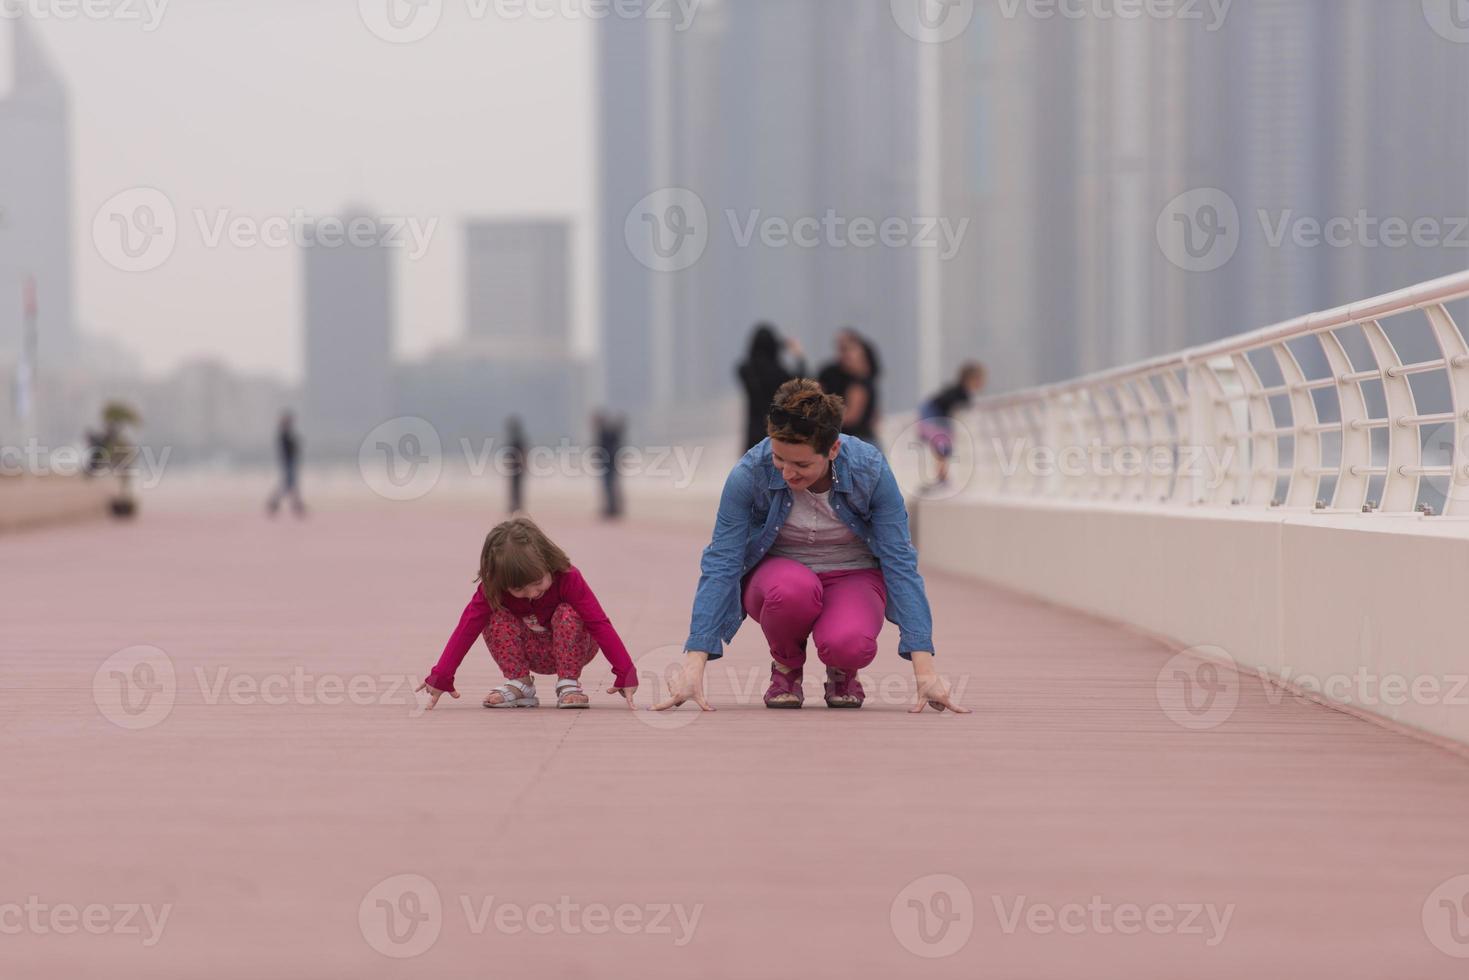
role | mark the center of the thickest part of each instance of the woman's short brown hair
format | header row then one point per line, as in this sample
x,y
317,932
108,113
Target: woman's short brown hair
x,y
517,553
803,413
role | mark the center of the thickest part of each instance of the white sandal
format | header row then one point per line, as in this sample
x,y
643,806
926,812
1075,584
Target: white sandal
x,y
514,694
567,686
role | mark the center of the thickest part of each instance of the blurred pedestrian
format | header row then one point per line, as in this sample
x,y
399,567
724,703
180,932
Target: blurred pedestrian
x,y
762,373
936,417
288,452
853,378
516,450
609,428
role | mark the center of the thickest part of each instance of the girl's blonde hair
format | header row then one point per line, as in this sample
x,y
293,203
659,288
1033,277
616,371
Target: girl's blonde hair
x,y
517,553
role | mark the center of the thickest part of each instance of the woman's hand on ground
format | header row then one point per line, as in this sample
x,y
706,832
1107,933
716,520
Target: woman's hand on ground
x,y
626,692
434,694
688,685
933,692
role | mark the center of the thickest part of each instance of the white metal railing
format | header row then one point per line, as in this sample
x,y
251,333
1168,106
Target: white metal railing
x,y
1241,422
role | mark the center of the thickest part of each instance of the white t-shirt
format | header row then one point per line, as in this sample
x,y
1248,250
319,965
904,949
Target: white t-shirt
x,y
816,537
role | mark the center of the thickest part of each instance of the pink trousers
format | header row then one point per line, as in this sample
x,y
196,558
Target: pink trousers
x,y
843,611
521,650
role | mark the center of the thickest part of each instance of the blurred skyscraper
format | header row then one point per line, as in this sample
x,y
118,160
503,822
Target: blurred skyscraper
x,y
1066,138
518,283
35,199
763,109
515,356
348,319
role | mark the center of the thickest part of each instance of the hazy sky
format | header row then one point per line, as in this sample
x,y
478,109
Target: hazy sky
x,y
261,107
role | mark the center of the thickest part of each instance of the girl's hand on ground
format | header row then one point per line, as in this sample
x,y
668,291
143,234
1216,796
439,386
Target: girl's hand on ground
x,y
626,692
688,685
434,694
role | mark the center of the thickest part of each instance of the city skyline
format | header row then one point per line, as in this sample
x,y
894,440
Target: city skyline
x,y
779,116
216,151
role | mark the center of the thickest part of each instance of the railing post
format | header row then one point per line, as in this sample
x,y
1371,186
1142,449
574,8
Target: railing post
x,y
1404,455
1352,482
1112,435
1263,444
1180,403
1305,447
1456,356
1202,437
1156,486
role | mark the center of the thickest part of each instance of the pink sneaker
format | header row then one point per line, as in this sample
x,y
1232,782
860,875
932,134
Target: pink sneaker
x,y
785,689
843,690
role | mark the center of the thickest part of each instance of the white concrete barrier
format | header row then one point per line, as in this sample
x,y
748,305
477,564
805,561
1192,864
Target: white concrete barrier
x,y
1366,614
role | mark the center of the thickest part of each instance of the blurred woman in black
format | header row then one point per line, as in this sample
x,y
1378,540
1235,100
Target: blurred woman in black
x,y
762,373
853,376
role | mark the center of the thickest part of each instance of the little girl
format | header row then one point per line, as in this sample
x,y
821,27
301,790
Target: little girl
x,y
936,417
537,615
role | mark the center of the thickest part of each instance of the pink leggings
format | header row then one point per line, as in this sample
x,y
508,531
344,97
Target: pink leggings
x,y
562,650
842,610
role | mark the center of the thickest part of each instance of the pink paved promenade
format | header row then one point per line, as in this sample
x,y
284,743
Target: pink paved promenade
x,y
280,809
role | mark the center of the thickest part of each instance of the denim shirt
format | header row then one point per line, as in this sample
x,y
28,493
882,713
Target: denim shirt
x,y
755,505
